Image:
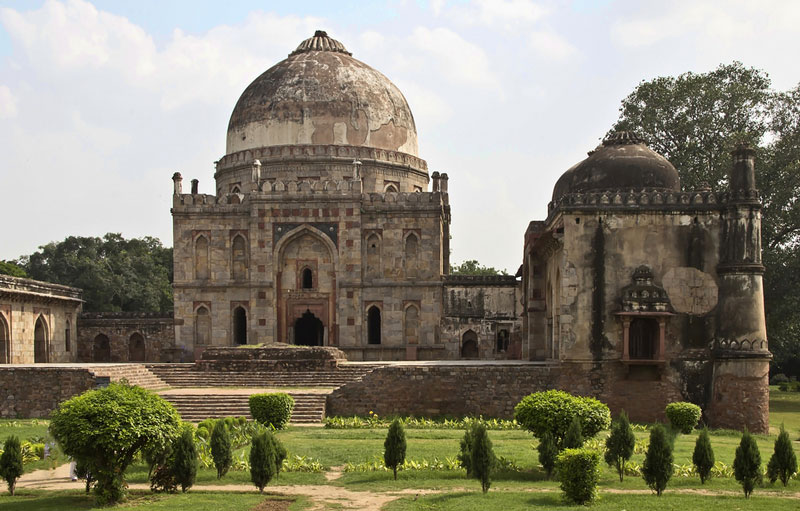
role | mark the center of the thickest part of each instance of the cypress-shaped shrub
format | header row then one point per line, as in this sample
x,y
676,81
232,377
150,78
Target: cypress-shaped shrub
x,y
275,409
783,462
578,471
683,416
620,444
221,451
465,451
657,467
573,439
185,461
703,456
262,460
482,455
548,451
11,462
747,463
279,453
394,447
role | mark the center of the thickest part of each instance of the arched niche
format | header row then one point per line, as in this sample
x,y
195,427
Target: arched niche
x,y
5,341
469,344
136,348
239,319
374,325
40,341
202,326
101,349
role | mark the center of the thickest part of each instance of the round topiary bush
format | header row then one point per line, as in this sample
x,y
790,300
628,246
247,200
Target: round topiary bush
x,y
578,471
683,416
554,410
275,409
778,378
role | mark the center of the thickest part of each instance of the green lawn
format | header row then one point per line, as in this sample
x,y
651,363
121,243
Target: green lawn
x,y
144,501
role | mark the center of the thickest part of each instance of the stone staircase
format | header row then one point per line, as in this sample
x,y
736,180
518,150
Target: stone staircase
x,y
185,375
308,408
135,374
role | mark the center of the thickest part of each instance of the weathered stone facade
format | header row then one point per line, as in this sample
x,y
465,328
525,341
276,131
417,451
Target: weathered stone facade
x,y
650,294
126,337
322,230
37,321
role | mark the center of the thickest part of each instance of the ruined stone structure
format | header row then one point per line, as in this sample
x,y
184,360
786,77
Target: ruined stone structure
x,y
645,294
127,337
37,321
323,230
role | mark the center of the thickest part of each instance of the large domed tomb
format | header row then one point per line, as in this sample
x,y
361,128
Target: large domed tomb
x,y
313,114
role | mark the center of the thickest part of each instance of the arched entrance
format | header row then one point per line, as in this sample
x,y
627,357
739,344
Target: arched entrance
x,y
374,325
5,342
469,345
136,350
239,326
308,330
101,351
40,341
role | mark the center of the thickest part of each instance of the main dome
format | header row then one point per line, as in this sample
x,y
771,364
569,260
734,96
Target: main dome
x,y
622,162
321,95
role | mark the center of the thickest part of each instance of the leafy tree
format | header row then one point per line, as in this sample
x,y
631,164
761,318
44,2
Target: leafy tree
x,y
620,444
747,463
262,460
394,447
115,274
221,450
783,462
573,439
185,461
657,467
12,269
473,267
694,120
11,462
548,451
703,455
482,455
106,428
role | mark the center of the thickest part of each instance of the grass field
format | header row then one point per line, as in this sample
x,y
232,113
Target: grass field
x,y
523,487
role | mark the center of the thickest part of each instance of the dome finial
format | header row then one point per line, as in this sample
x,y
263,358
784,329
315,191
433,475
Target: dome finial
x,y
623,138
320,42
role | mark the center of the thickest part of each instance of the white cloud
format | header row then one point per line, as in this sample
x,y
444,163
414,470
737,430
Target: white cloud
x,y
506,14
551,45
456,58
8,103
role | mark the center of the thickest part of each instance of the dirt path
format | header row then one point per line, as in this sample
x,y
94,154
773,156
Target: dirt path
x,y
328,495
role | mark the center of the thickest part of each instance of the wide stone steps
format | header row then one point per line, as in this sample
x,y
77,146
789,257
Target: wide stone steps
x,y
184,375
135,374
308,408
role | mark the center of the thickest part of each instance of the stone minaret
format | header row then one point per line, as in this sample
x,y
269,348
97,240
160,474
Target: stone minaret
x,y
740,393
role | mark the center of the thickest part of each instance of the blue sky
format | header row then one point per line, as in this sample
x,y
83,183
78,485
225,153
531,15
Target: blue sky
x,y
100,102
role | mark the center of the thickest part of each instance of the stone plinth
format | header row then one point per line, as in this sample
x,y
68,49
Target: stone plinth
x,y
270,358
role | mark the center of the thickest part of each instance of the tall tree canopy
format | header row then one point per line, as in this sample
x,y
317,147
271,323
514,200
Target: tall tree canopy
x,y
115,274
473,267
694,120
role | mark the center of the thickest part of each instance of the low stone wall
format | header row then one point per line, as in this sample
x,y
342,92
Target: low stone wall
x,y
270,358
34,392
492,390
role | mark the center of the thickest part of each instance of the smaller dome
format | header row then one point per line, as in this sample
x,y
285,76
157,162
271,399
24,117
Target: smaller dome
x,y
622,162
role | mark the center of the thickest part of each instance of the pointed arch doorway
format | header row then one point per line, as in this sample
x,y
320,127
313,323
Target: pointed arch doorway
x,y
308,330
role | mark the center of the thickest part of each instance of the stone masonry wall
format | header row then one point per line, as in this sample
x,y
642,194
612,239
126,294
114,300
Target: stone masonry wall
x,y
453,390
157,332
34,392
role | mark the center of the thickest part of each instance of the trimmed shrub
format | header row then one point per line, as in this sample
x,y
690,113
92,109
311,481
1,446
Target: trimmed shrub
x,y
578,471
11,462
747,463
482,455
280,453
657,467
465,451
275,409
221,451
789,386
394,447
683,416
620,444
703,456
548,451
553,411
263,466
185,462
573,439
783,462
